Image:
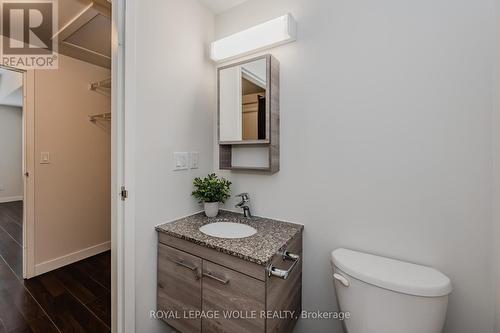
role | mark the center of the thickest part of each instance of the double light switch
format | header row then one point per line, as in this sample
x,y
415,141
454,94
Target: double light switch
x,y
185,160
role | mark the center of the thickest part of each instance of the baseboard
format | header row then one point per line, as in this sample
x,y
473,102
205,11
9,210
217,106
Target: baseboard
x,y
11,199
53,264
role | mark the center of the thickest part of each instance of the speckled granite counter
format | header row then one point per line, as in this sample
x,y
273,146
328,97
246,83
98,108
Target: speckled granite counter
x,y
271,236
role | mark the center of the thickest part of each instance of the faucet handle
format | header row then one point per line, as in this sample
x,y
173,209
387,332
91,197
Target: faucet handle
x,y
244,196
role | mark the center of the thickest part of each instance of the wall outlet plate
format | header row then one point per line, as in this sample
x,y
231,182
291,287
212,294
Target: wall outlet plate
x,y
181,160
2,187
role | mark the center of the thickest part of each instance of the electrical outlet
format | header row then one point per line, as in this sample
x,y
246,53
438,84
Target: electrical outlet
x,y
194,160
2,188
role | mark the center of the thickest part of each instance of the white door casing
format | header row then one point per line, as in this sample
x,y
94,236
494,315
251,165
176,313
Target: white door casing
x,y
122,147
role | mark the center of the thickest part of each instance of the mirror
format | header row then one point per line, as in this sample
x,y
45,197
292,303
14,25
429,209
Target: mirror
x,y
244,102
249,115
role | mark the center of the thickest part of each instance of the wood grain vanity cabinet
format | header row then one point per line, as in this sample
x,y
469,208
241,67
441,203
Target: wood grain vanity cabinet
x,y
195,278
179,286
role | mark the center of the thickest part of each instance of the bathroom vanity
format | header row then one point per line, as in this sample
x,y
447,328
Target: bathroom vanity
x,y
214,284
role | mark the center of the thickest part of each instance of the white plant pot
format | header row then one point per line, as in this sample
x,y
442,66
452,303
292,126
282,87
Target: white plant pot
x,y
211,209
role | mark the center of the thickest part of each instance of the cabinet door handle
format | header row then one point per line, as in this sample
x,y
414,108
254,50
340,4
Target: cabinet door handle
x,y
218,279
181,262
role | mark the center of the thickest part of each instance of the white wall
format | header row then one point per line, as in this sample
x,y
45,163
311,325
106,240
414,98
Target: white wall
x,y
386,141
496,208
175,111
11,179
496,176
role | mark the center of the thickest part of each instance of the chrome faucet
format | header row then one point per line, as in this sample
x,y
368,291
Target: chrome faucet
x,y
245,199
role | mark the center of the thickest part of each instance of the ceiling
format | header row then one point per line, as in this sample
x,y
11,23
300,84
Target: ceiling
x,y
68,9
219,6
85,30
85,27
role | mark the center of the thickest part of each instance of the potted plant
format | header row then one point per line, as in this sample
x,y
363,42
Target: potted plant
x,y
212,191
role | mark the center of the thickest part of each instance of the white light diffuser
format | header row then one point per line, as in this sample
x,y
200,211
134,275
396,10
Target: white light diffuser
x,y
272,33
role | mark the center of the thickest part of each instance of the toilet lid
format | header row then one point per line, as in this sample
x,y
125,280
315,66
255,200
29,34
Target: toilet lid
x,y
392,274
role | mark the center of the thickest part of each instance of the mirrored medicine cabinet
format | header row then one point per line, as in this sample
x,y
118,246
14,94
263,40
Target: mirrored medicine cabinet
x,y
248,115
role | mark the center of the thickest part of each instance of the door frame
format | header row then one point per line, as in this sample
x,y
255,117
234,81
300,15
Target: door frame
x,y
122,166
28,165
28,172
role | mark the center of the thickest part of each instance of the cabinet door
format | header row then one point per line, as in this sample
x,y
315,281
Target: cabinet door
x,y
236,298
179,288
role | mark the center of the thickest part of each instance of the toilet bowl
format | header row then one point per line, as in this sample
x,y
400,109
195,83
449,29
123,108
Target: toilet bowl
x,y
384,295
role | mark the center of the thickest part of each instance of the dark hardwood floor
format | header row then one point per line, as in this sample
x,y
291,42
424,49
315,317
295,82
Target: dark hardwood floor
x,y
75,298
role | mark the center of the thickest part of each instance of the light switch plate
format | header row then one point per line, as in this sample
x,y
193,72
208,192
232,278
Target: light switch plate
x,y
44,157
181,160
194,160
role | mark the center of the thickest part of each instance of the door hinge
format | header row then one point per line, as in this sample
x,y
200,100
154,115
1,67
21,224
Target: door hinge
x,y
124,193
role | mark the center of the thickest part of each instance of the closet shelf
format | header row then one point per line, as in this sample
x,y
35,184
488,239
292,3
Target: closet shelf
x,y
101,116
106,83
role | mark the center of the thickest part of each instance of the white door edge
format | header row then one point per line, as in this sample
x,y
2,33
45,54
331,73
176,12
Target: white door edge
x,y
123,222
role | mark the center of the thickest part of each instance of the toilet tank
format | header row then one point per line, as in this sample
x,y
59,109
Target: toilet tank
x,y
387,295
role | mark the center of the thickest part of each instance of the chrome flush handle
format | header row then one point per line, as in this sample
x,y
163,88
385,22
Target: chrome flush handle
x,y
342,279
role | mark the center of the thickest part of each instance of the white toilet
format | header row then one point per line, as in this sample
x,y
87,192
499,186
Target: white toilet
x,y
389,296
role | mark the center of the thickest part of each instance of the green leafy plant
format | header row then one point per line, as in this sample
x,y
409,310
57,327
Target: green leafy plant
x,y
211,189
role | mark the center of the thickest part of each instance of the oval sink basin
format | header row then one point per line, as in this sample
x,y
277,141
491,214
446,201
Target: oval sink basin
x,y
228,230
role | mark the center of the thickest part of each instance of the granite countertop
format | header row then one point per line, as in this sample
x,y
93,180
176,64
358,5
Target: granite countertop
x,y
272,235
